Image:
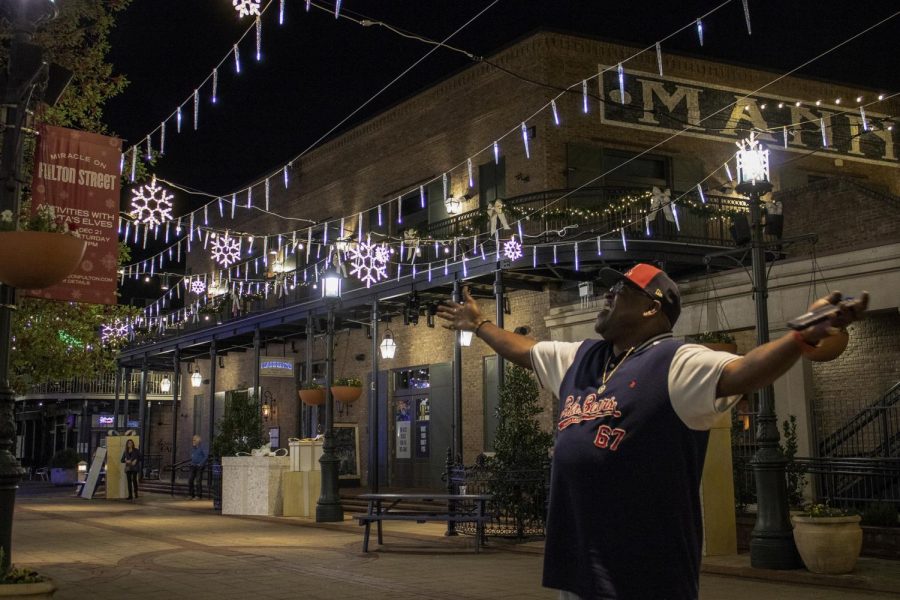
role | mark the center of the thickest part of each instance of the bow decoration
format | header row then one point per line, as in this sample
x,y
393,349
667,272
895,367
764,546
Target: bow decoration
x,y
411,244
661,200
495,214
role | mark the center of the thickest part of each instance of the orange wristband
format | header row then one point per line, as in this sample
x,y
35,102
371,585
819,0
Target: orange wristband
x,y
805,346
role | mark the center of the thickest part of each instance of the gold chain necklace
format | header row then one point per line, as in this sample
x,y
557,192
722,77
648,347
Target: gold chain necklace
x,y
607,376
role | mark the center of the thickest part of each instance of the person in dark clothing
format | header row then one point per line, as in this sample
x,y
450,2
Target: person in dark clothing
x,y
198,463
132,459
624,518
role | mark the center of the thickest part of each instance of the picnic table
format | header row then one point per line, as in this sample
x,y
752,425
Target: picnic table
x,y
446,507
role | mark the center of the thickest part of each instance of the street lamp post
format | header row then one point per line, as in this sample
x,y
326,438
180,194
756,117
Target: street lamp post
x,y
771,542
328,507
24,70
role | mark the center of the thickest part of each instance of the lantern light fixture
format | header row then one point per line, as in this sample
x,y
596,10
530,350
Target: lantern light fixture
x,y
196,379
165,385
331,284
388,346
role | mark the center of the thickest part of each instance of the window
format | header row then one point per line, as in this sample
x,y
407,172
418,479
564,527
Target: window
x,y
596,167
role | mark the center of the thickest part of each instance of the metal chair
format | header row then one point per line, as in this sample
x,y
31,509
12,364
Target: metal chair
x,y
43,474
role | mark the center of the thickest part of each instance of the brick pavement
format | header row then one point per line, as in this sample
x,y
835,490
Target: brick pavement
x,y
161,547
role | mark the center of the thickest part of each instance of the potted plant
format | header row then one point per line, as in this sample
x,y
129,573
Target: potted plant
x,y
346,389
716,340
64,467
829,539
23,583
311,394
37,249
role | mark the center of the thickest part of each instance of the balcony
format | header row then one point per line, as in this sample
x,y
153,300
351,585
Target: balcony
x,y
97,388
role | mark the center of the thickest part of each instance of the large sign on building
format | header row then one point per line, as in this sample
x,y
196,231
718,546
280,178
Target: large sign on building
x,y
77,174
670,105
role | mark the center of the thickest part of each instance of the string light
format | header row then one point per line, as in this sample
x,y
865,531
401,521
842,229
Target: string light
x,y
196,108
237,59
584,96
281,12
659,58
162,138
496,153
215,84
621,83
178,119
747,15
525,140
555,112
258,39
700,31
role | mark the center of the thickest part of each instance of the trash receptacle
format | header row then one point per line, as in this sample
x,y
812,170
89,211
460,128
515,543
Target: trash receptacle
x,y
216,486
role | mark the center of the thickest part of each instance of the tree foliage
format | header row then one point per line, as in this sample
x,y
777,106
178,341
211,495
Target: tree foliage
x,y
240,429
61,340
521,451
79,40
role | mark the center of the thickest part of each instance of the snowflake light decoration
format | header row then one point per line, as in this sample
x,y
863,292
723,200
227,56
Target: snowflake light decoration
x,y
151,204
115,333
197,286
246,8
226,250
512,249
369,262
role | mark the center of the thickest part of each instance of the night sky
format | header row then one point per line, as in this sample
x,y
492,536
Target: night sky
x,y
315,70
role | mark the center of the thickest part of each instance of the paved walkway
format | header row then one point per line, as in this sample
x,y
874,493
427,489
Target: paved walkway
x,y
159,547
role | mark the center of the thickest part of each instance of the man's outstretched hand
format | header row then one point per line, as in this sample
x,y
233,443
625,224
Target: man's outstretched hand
x,y
462,317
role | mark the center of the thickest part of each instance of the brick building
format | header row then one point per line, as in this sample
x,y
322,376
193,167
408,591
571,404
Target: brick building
x,y
834,176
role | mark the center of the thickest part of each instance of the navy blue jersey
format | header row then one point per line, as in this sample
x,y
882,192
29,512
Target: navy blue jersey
x,y
624,517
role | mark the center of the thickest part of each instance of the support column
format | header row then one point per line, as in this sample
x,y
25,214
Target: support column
x,y
373,403
498,300
457,384
256,356
213,365
118,394
176,388
329,508
127,384
142,407
308,410
772,540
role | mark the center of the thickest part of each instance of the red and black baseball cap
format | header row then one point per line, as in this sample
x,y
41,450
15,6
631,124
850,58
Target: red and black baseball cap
x,y
653,282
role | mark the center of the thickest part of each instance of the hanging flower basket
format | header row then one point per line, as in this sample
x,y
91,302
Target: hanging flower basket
x,y
829,348
314,397
33,260
346,393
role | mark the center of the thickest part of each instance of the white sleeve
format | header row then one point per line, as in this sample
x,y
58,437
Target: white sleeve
x,y
693,378
551,360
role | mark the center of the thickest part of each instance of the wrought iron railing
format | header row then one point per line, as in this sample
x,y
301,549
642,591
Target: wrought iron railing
x,y
872,431
104,385
519,507
854,482
597,211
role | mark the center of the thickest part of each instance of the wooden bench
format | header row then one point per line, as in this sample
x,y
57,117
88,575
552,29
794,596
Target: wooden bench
x,y
447,507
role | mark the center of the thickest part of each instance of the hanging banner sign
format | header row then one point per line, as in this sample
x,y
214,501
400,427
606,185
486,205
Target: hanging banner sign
x,y
77,174
276,366
670,105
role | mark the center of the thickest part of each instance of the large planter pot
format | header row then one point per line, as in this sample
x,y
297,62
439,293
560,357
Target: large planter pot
x,y
828,544
346,393
63,476
32,260
27,591
829,348
312,397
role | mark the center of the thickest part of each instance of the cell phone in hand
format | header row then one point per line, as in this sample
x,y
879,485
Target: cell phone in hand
x,y
818,315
